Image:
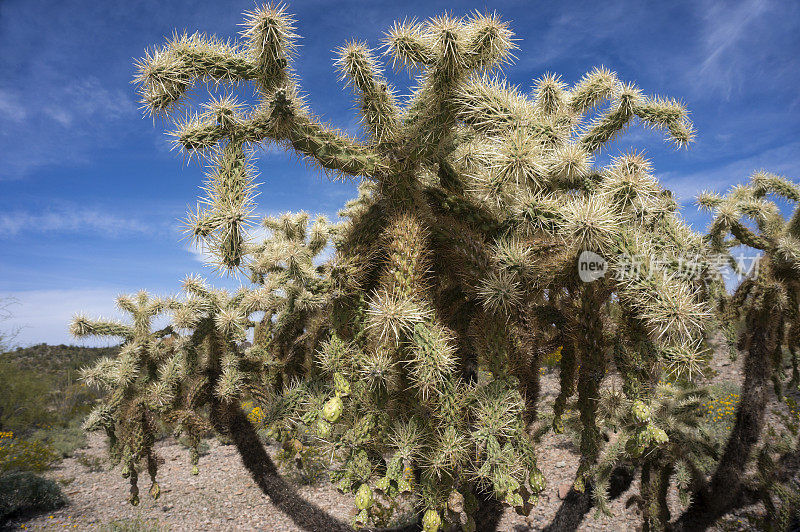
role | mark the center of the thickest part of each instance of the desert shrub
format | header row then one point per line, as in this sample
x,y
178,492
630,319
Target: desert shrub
x,y
19,454
63,440
27,492
93,463
721,407
553,359
254,413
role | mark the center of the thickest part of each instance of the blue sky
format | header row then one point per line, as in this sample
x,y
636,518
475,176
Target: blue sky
x,y
90,195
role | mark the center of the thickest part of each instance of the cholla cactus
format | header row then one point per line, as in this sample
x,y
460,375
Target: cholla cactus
x,y
767,299
413,353
138,383
661,435
296,289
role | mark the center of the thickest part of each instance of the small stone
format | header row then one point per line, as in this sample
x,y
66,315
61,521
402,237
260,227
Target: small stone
x,y
561,464
563,490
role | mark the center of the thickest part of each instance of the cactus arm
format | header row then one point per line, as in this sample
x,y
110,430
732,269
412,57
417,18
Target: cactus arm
x,y
748,237
331,149
611,123
666,114
769,183
407,45
491,106
549,94
82,327
379,109
490,42
568,371
594,88
708,201
793,227
591,344
165,74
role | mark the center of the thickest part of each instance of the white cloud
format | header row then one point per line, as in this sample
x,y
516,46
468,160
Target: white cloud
x,y
10,107
69,220
87,99
781,160
60,122
727,24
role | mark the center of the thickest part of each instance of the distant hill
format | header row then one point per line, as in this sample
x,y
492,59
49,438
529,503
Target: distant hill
x,y
56,360
42,396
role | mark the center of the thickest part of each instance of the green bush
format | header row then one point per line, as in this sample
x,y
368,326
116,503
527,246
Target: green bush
x,y
92,463
19,454
27,492
63,440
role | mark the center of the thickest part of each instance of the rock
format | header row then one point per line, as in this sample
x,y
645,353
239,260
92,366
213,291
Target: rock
x,y
563,490
561,464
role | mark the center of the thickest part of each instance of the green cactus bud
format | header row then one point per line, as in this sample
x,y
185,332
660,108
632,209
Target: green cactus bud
x,y
537,481
641,412
364,497
633,448
324,429
654,435
155,491
345,483
195,470
660,436
134,500
361,519
404,486
431,521
333,409
383,485
513,498
126,472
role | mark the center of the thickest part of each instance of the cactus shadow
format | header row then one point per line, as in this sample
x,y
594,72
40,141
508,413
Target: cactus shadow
x,y
489,513
576,505
232,421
